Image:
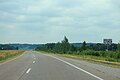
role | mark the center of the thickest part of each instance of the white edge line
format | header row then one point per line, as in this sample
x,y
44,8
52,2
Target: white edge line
x,y
75,67
28,70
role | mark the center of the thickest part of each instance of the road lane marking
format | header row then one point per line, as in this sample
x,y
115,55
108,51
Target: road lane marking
x,y
33,62
34,56
75,66
28,70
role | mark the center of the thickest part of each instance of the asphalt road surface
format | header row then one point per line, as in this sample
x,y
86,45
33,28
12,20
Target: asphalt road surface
x,y
37,66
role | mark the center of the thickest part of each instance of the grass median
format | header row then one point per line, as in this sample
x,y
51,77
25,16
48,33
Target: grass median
x,y
6,55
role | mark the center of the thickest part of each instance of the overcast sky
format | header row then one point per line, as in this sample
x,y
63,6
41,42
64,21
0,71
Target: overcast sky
x,y
43,21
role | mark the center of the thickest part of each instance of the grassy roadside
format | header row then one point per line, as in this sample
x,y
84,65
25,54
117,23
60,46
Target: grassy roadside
x,y
6,55
92,59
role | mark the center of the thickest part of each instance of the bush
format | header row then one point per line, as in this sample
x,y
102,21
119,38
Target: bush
x,y
90,52
111,54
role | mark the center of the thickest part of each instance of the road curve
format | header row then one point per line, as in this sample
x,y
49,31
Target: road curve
x,y
36,66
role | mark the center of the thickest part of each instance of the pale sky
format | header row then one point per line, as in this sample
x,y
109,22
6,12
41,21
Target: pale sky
x,y
43,21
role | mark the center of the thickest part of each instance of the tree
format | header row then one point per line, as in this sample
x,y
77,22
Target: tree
x,y
65,45
72,48
118,46
17,48
84,46
57,48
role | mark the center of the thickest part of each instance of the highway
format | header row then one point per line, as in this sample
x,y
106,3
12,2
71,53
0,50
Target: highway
x,y
37,66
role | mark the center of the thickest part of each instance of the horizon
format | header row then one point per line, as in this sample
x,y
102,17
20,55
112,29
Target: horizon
x,y
56,42
48,21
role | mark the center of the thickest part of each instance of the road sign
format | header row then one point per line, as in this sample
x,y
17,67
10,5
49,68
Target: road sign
x,y
107,41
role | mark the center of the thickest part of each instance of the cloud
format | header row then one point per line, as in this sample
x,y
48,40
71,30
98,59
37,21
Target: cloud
x,y
21,18
50,20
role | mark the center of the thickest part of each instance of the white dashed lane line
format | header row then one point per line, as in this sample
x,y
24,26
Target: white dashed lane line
x,y
28,70
33,62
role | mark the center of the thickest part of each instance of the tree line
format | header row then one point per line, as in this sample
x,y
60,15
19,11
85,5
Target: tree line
x,y
8,47
61,47
64,47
